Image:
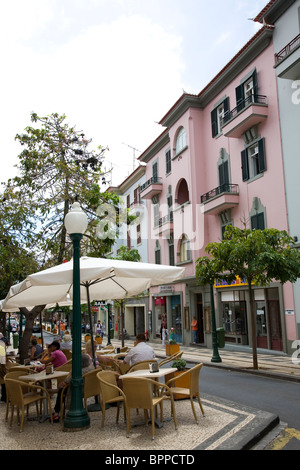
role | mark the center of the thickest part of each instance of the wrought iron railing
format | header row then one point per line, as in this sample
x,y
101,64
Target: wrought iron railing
x,y
287,49
153,180
224,188
251,99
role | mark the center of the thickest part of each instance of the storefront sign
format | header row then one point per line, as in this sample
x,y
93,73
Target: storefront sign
x,y
237,283
165,289
289,312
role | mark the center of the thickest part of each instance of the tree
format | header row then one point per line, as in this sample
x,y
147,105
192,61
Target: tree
x,y
55,166
126,254
258,256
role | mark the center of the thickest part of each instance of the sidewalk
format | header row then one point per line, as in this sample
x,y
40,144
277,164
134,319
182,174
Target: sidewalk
x,y
226,425
270,363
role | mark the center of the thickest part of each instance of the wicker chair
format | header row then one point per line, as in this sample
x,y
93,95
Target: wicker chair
x,y
139,394
192,391
110,392
170,358
141,365
18,398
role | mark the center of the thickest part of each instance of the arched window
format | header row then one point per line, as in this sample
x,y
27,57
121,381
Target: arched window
x,y
181,140
185,249
182,192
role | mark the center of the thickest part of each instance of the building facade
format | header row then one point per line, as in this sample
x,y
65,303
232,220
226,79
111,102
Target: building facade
x,y
216,163
285,16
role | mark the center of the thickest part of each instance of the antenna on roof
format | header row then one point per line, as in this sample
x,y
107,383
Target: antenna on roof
x,y
134,150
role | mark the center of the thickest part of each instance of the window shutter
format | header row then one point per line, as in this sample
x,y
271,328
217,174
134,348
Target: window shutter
x,y
155,171
223,174
261,156
214,122
255,84
240,96
245,166
258,221
226,110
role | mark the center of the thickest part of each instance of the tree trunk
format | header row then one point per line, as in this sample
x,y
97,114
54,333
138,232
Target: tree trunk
x,y
253,326
30,317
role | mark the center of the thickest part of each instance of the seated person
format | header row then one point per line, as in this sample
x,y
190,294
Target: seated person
x,y
56,358
100,359
36,350
141,352
85,367
66,342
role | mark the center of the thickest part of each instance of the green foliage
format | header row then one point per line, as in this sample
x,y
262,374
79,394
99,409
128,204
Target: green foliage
x,y
180,364
128,254
260,256
55,166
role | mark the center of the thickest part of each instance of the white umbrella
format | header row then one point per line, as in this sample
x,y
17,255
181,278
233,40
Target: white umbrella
x,y
100,279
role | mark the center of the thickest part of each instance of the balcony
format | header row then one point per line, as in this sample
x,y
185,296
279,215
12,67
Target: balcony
x,y
164,226
249,112
287,61
151,188
220,199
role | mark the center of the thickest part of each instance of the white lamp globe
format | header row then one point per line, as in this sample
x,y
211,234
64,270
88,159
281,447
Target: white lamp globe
x,y
76,220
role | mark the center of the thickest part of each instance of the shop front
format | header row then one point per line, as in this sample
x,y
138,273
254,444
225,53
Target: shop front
x,y
167,313
235,315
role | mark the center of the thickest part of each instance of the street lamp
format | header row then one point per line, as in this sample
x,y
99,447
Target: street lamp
x,y
215,357
77,417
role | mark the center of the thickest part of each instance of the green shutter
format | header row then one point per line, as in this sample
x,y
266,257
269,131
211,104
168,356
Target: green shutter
x,y
240,96
261,156
214,123
245,166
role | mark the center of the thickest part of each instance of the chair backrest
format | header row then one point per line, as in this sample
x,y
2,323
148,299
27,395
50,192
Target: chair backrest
x,y
14,391
67,366
67,353
194,383
91,383
19,369
108,385
15,374
141,365
125,349
138,392
174,356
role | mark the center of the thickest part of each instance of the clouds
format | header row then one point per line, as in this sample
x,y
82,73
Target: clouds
x,y
113,67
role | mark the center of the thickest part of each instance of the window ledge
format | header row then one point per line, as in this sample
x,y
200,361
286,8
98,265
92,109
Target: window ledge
x,y
254,178
184,262
179,153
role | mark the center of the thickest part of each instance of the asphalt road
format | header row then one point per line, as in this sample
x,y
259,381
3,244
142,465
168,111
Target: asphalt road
x,y
275,396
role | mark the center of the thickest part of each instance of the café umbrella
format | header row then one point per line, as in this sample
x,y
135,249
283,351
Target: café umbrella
x,y
100,279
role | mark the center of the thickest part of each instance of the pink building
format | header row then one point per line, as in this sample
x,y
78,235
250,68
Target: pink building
x,y
219,161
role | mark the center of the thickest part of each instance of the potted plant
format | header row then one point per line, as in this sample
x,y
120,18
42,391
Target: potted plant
x,y
87,337
98,339
182,382
171,347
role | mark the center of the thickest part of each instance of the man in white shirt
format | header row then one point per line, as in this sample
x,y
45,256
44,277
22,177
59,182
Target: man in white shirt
x,y
141,352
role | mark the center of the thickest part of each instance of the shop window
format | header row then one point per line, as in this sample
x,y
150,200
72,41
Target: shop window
x,y
234,316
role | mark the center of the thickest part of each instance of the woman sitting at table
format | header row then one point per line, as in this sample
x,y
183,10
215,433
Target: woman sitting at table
x,y
56,357
36,350
86,366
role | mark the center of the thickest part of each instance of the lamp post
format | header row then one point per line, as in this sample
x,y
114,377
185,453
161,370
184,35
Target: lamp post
x,y
77,417
215,357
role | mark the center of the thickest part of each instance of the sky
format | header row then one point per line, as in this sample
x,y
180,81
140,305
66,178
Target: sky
x,y
113,67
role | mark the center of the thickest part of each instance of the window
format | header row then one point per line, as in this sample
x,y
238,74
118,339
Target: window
x,y
155,172
185,251
156,213
258,221
157,252
217,116
247,91
182,193
168,162
138,234
253,160
171,250
181,140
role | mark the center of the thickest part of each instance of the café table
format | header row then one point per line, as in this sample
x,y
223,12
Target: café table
x,y
43,377
146,373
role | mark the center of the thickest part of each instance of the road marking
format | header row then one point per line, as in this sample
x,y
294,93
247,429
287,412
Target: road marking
x,y
288,434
